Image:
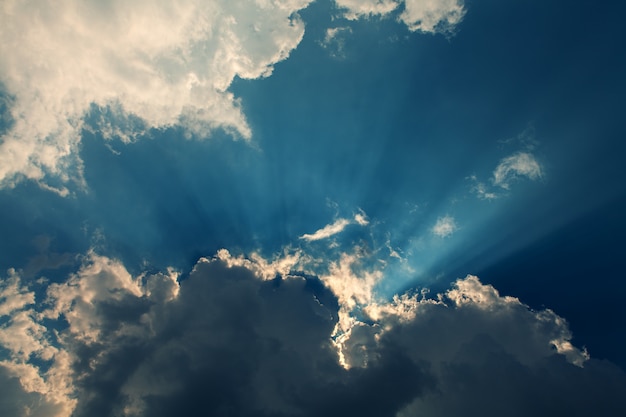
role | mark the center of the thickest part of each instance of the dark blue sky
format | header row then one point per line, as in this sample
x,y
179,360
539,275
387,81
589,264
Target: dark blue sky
x,y
405,128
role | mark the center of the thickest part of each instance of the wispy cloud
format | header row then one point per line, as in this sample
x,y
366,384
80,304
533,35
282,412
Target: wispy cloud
x,y
336,227
521,164
509,170
334,41
444,226
327,231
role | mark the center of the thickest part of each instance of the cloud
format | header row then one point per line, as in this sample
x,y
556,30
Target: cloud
x,y
432,16
427,16
508,171
444,226
28,389
334,41
355,9
337,227
230,340
164,63
521,164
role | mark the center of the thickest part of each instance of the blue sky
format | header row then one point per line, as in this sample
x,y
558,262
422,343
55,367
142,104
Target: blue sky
x,y
394,198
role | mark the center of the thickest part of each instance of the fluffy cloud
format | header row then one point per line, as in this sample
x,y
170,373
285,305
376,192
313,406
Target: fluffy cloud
x,y
336,227
228,340
427,16
132,66
162,62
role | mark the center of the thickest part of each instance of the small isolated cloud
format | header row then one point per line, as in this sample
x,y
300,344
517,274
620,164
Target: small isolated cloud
x,y
521,164
431,16
337,227
361,219
355,9
444,226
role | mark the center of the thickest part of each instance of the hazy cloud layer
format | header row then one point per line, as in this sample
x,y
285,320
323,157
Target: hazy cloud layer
x,y
234,340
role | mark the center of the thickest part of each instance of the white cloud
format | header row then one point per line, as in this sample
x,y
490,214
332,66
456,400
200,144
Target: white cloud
x,y
327,231
427,16
336,227
432,16
24,338
509,170
164,62
355,9
521,164
444,226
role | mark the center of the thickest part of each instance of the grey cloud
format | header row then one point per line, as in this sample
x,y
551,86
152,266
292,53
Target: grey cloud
x,y
230,340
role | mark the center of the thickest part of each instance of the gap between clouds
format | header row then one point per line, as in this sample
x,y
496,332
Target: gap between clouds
x,y
250,335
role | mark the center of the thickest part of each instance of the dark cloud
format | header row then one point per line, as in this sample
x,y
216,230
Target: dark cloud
x,y
228,342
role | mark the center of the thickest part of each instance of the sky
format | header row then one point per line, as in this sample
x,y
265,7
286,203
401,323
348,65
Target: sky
x,y
294,207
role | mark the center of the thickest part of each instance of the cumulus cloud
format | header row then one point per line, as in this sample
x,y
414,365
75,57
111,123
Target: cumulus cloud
x,y
162,62
444,226
427,16
228,340
432,16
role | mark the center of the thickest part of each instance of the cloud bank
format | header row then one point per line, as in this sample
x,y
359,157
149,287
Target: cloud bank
x,y
251,336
